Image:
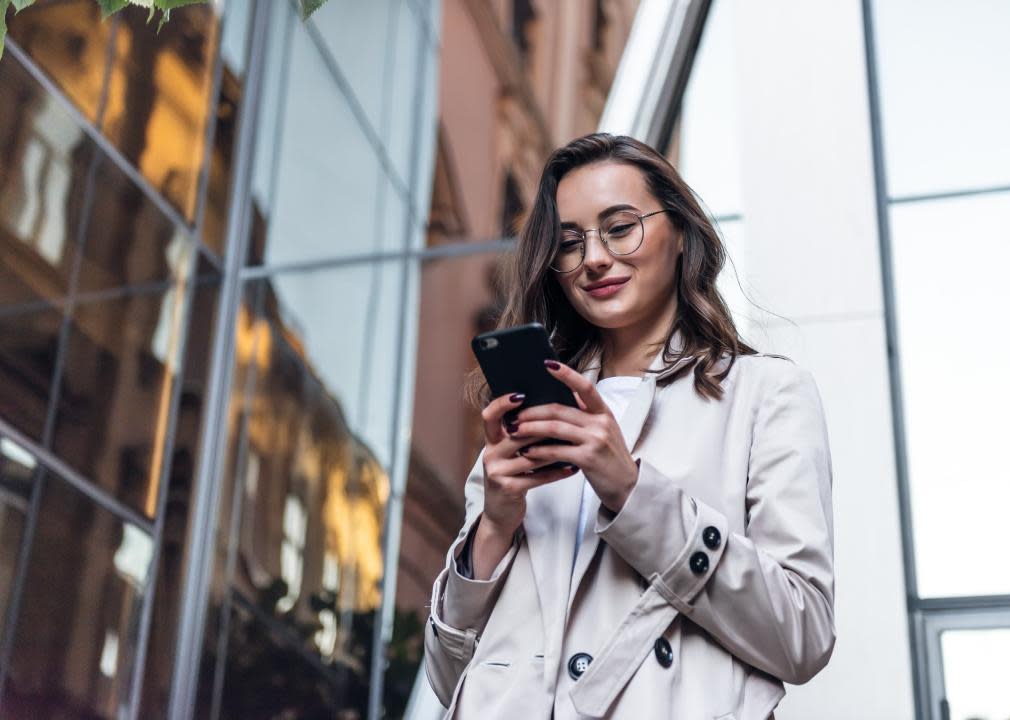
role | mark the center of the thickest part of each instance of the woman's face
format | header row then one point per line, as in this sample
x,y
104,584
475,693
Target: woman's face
x,y
646,288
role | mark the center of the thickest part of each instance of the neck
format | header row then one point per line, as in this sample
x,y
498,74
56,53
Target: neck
x,y
630,350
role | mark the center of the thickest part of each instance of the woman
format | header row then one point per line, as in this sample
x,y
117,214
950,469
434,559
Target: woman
x,y
680,566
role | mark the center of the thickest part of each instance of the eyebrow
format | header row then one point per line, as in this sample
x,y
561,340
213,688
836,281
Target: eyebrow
x,y
602,214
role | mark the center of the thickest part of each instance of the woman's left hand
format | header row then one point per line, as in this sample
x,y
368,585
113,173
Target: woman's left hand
x,y
597,447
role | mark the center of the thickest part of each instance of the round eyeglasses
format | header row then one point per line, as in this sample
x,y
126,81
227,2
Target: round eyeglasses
x,y
622,234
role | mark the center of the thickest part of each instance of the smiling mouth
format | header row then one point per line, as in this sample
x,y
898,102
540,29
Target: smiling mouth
x,y
608,288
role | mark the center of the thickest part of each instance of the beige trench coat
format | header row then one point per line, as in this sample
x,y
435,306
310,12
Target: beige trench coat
x,y
724,549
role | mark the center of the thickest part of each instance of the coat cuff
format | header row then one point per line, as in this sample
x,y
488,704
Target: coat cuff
x,y
667,536
467,603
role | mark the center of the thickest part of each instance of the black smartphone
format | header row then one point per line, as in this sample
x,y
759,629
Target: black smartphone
x,y
512,360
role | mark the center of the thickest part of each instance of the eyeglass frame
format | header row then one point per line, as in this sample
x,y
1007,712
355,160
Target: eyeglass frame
x,y
584,233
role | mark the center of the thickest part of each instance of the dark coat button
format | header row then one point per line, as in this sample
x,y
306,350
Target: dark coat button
x,y
578,664
699,563
664,653
711,537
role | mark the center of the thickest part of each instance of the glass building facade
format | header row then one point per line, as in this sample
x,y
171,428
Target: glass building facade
x,y
211,250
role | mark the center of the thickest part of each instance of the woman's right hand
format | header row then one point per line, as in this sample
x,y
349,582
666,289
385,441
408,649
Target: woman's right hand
x,y
508,476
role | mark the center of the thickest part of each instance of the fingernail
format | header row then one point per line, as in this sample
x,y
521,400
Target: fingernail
x,y
516,397
552,364
511,428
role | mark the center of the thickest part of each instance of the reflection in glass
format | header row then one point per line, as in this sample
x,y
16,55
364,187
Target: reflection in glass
x,y
17,470
184,460
349,33
974,673
319,171
69,41
305,492
950,260
159,96
122,358
75,640
944,118
45,168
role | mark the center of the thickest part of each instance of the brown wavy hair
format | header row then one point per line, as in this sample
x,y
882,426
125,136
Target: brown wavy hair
x,y
534,295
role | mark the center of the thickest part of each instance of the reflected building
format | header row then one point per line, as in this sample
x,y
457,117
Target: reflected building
x,y
197,451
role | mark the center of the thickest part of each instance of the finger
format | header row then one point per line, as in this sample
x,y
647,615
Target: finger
x,y
553,411
579,384
557,429
493,413
523,483
511,467
542,455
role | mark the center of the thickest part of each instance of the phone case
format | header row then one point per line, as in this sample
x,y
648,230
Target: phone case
x,y
512,360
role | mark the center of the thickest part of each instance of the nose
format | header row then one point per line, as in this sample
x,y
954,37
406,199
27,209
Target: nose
x,y
597,258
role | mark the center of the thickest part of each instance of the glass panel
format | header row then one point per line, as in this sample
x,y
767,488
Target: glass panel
x,y
75,641
309,444
325,175
950,261
270,676
17,470
356,36
45,170
159,94
974,673
121,361
181,486
69,41
407,54
945,119
706,150
458,300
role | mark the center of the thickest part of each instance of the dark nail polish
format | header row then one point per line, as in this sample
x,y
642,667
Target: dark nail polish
x,y
552,364
511,428
516,397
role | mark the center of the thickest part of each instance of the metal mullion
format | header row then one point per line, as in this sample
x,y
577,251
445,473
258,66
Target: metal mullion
x,y
100,497
164,475
207,486
968,603
235,526
438,252
24,555
392,524
916,648
95,135
949,195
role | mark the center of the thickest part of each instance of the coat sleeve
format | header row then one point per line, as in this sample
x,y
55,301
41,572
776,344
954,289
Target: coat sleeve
x,y
460,607
766,595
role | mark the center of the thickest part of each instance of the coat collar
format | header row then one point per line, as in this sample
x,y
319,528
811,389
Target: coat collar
x,y
552,516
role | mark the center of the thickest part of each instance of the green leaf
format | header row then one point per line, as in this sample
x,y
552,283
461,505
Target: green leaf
x,y
20,5
108,7
4,4
309,6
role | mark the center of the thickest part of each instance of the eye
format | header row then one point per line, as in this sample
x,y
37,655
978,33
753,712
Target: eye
x,y
620,229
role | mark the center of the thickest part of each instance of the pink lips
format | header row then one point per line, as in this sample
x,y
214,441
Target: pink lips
x,y
607,288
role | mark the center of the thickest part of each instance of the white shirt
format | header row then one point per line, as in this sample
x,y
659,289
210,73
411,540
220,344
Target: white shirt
x,y
616,393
